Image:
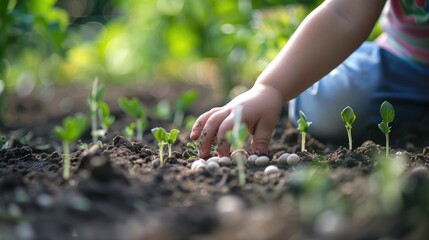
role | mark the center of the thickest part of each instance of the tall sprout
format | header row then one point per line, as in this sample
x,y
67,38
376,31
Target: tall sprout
x,y
348,117
303,126
237,137
387,113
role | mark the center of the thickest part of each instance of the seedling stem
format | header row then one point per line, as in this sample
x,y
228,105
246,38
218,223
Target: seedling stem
x,y
303,125
237,137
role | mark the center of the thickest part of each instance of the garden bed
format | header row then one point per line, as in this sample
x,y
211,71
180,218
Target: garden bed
x,y
118,190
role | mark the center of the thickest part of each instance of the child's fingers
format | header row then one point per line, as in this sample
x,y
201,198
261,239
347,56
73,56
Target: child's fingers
x,y
210,130
261,138
200,123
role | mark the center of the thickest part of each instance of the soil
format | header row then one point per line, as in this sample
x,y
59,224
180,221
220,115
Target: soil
x,y
118,190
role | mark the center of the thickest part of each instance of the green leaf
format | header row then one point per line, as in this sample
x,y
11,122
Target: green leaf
x,y
348,115
100,93
162,110
303,125
132,107
172,136
185,100
160,134
387,112
384,127
72,128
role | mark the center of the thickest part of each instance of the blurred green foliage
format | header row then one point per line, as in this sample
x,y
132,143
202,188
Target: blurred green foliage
x,y
186,39
27,26
219,42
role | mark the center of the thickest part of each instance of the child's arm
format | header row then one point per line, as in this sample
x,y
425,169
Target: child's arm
x,y
325,39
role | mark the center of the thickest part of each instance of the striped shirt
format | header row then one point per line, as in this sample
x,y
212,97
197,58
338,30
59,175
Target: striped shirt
x,y
406,29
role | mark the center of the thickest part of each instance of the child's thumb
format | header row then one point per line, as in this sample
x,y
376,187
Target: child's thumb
x,y
261,138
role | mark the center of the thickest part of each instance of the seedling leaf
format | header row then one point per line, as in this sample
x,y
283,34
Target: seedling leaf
x,y
384,127
172,136
387,112
185,100
160,134
72,127
348,115
132,107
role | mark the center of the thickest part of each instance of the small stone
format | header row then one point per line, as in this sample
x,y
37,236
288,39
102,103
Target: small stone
x,y
239,153
283,158
213,166
213,159
229,205
271,170
198,164
419,172
262,161
225,161
293,159
251,159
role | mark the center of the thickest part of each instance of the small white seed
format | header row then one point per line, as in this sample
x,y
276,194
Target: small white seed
x,y
293,159
213,166
213,159
283,158
262,161
271,170
197,163
239,153
251,159
225,161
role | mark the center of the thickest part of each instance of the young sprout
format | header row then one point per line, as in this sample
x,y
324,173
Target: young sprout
x,y
165,138
106,119
348,117
182,103
134,107
303,125
93,102
129,131
387,113
237,137
69,132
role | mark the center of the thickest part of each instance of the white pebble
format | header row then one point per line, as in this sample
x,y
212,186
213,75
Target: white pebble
x,y
213,159
283,158
251,159
225,161
213,166
271,169
197,163
262,161
293,159
229,205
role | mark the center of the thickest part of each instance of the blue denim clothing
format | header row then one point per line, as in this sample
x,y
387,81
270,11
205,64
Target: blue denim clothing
x,y
363,81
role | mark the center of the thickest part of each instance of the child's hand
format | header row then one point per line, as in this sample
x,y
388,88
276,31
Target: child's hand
x,y
261,111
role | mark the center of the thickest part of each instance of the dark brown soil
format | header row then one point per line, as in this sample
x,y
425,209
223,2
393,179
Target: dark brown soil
x,y
120,191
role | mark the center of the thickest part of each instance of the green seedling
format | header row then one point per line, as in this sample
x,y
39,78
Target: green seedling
x,y
134,108
192,151
348,117
237,137
69,132
162,110
105,117
94,100
182,103
303,125
164,138
129,130
387,113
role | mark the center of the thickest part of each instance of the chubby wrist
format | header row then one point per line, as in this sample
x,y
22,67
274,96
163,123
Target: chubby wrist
x,y
270,90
